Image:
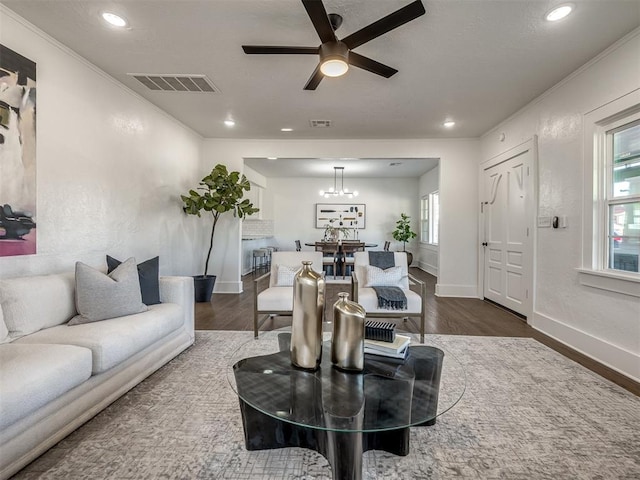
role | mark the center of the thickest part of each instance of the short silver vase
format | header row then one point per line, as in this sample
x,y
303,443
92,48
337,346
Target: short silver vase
x,y
347,344
308,311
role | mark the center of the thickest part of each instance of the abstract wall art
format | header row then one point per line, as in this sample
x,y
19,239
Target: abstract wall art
x,y
17,154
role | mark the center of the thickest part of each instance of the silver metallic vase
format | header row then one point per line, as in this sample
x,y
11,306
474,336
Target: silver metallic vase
x,y
308,311
347,344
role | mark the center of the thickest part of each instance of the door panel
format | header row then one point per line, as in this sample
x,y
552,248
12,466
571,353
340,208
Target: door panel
x,y
507,191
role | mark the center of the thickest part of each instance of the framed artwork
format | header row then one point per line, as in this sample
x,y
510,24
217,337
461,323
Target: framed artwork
x,y
349,215
17,154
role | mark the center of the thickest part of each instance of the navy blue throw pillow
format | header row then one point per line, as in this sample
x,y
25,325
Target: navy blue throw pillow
x,y
149,275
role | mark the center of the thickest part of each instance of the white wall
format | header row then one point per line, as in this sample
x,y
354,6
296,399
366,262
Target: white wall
x,y
429,183
605,325
110,167
293,210
458,197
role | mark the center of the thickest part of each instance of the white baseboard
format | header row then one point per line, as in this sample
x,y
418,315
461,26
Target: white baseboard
x,y
227,287
430,269
619,359
464,291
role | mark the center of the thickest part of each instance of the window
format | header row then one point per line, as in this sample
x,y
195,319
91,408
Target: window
x,y
434,217
430,218
424,219
622,160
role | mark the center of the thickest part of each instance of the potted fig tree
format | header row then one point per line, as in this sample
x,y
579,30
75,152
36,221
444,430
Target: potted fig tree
x,y
219,192
403,233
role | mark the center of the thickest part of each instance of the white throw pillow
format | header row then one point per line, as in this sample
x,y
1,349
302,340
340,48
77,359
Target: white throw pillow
x,y
376,277
285,275
100,296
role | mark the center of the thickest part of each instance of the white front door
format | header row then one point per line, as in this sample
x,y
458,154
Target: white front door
x,y
507,209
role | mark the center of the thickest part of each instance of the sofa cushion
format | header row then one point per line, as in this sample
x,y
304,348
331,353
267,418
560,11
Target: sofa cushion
x,y
32,303
400,259
33,375
149,276
113,341
293,259
100,296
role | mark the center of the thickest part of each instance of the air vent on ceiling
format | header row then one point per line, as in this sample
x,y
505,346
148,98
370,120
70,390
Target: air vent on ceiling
x,y
320,123
175,83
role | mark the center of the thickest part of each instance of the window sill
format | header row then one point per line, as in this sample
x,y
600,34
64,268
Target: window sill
x,y
627,284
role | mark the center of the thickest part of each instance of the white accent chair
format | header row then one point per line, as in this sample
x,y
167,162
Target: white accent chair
x,y
271,300
366,296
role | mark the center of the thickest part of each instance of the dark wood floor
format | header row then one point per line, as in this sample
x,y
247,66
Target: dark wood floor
x,y
451,316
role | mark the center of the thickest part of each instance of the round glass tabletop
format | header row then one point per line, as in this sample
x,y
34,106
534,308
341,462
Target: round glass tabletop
x,y
388,394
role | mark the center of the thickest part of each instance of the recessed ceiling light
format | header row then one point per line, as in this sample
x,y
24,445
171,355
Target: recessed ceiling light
x,y
559,12
272,158
114,20
449,123
229,123
286,129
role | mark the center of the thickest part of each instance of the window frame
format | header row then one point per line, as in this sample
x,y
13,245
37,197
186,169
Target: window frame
x,y
594,271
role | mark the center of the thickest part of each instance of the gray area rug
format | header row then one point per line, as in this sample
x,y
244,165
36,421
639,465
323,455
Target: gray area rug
x,y
527,413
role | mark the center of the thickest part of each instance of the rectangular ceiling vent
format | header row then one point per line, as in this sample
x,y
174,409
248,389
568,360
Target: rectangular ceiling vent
x,y
175,83
320,123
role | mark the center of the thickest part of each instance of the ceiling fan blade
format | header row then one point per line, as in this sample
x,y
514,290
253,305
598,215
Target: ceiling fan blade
x,y
385,24
314,80
320,19
371,65
268,49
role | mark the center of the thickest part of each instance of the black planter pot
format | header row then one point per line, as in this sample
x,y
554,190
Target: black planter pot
x,y
203,287
409,257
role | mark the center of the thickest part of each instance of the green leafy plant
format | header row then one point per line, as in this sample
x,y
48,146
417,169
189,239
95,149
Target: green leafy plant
x,y
222,192
403,232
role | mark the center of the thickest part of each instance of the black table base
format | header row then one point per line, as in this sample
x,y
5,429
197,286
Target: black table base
x,y
343,450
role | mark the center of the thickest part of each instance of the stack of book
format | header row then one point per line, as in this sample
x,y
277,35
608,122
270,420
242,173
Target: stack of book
x,y
398,349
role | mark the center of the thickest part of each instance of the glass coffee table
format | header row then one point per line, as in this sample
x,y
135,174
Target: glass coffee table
x,y
340,414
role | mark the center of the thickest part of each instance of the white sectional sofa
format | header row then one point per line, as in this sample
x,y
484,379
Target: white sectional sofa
x,y
54,377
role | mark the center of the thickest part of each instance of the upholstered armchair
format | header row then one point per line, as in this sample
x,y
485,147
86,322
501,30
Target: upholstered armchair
x,y
273,291
365,277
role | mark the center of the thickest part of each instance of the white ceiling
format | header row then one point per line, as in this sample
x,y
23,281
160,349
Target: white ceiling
x,y
475,61
353,167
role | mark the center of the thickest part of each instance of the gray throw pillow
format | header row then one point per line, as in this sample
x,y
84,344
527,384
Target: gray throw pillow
x,y
100,296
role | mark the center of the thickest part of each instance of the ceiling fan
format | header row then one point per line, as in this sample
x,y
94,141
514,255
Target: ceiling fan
x,y
336,55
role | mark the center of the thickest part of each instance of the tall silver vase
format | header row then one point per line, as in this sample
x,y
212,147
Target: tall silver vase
x,y
347,344
308,311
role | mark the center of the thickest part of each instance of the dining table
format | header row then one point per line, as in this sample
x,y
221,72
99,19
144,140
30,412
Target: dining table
x,y
340,264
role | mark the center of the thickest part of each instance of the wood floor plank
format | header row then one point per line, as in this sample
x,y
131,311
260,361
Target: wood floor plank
x,y
449,316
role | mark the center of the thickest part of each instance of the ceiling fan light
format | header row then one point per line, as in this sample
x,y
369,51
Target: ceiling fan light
x,y
334,67
334,59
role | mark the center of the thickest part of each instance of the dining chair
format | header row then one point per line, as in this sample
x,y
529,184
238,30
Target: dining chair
x,y
298,246
348,250
387,244
330,256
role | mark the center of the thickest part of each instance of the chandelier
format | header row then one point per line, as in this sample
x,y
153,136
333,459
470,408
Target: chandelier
x,y
334,191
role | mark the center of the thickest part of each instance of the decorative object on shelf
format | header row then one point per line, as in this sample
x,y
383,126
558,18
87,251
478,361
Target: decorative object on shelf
x,y
334,191
403,233
347,343
222,192
343,215
308,312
